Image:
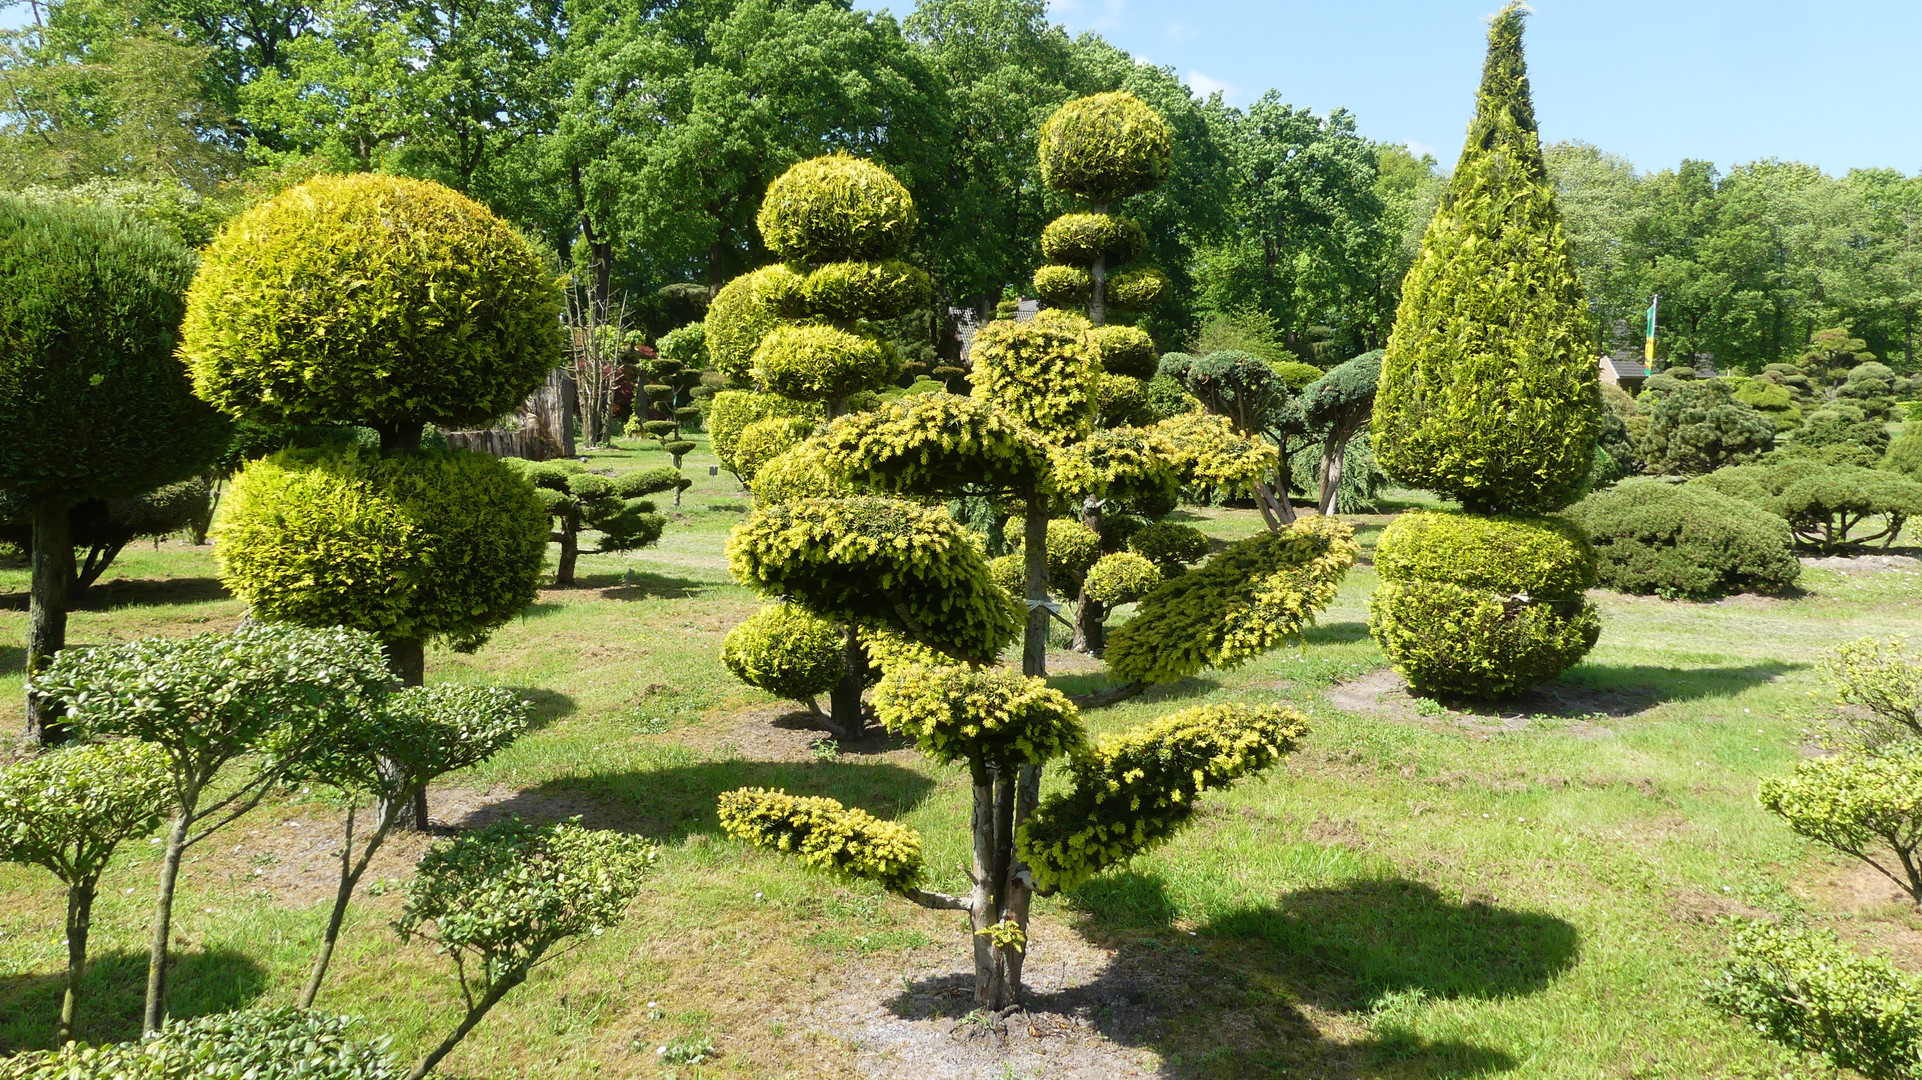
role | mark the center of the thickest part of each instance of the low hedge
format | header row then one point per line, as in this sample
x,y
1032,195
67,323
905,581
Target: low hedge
x,y
1685,540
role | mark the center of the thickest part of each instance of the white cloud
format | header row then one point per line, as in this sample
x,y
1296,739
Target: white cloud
x,y
1204,85
1420,148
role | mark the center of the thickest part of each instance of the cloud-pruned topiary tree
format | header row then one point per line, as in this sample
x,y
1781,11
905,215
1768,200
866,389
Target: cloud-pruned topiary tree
x,y
1489,394
1101,149
1701,427
1337,407
93,402
615,506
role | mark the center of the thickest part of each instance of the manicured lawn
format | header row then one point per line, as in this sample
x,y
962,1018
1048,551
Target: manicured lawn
x,y
1530,893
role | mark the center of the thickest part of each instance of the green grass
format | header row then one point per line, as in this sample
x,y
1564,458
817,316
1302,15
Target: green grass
x,y
1410,896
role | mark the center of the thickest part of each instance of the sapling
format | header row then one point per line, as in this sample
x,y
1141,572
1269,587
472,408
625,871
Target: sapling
x,y
390,751
264,692
67,810
501,900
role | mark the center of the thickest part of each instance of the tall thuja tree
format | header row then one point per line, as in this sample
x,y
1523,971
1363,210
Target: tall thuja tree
x,y
93,402
1489,395
393,304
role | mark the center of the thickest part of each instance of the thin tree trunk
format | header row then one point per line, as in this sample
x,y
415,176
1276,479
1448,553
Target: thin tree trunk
x,y
1034,644
467,1023
351,871
1019,889
844,701
79,922
1090,636
47,613
407,659
990,990
1332,455
570,533
156,1006
1098,283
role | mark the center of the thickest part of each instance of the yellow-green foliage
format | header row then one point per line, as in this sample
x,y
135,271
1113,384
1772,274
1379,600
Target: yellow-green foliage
x,y
741,314
1136,290
1866,804
1072,548
1207,452
864,558
787,651
1127,350
1011,573
845,291
1135,789
1063,286
1446,638
1169,544
803,471
731,411
764,440
1119,578
834,208
1489,389
68,808
439,546
1120,400
1040,372
1541,556
937,443
984,717
1246,600
1882,679
826,836
889,650
370,298
821,363
1117,463
1080,239
1103,147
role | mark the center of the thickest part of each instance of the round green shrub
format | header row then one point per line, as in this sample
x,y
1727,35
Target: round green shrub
x,y
1136,290
1072,549
1080,239
1127,350
1120,402
786,651
685,344
1120,578
93,401
444,545
764,440
1169,545
804,471
846,291
1543,557
373,299
956,713
821,363
1685,540
1298,375
1063,286
742,313
1011,573
1449,639
1106,146
836,207
731,411
1039,372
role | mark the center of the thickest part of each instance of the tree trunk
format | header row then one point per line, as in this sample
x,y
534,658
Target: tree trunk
x,y
156,1007
1090,636
1019,889
351,871
844,701
1098,283
990,984
407,659
400,437
47,613
1332,454
1034,645
474,1015
570,536
79,922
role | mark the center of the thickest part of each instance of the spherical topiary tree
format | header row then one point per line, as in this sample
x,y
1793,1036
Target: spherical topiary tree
x,y
788,652
1488,394
393,304
1101,149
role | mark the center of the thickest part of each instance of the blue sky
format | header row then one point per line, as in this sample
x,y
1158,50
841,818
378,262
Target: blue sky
x,y
1836,83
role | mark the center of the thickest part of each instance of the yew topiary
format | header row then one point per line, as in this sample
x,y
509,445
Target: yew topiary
x,y
1120,577
935,444
1081,239
1170,546
731,411
826,836
1039,372
1450,639
764,440
788,652
1702,427
616,507
1063,286
822,363
1128,351
1543,557
1106,146
742,313
836,208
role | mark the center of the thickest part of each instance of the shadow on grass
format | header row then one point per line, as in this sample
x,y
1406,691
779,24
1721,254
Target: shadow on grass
x,y
1626,689
13,660
1228,1000
136,592
630,585
546,706
673,803
113,990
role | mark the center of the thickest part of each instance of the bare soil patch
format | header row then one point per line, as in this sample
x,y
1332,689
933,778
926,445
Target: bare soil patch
x,y
1866,564
1386,694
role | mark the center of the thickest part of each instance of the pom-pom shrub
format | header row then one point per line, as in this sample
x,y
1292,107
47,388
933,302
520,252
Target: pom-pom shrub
x,y
1082,238
1127,350
1072,549
786,651
819,363
1063,286
983,716
1509,553
845,291
742,313
1170,545
1239,604
1011,573
1685,540
1039,372
1134,789
804,471
1209,453
1136,290
374,299
826,836
731,411
1828,508
1105,146
440,546
1121,577
835,208
936,443
1445,638
1120,464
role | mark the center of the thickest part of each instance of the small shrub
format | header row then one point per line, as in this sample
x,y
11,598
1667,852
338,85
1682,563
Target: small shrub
x,y
251,1044
1685,540
1863,803
1701,427
1449,639
1882,679
1105,146
836,207
1831,507
786,651
1170,545
1072,549
1119,578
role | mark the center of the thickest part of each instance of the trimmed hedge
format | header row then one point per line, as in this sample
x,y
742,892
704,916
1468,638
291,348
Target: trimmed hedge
x,y
1685,540
835,208
1106,146
787,651
1448,639
1544,557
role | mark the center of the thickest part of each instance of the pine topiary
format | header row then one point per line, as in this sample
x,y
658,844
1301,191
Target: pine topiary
x,y
1118,578
1127,350
787,652
1685,540
1541,556
1702,427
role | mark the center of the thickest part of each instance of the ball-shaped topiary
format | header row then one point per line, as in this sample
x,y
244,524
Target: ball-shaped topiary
x,y
731,411
823,363
742,313
1083,238
1072,549
836,207
1011,573
438,546
1106,146
1136,290
1544,557
1127,350
1449,639
1685,540
372,299
786,651
1039,372
1120,578
764,440
1169,545
842,292
1063,286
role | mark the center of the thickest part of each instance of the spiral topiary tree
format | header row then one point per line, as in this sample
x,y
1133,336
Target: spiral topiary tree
x,y
1489,394
93,402
393,304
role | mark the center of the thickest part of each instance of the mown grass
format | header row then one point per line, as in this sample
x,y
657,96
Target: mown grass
x,y
1411,896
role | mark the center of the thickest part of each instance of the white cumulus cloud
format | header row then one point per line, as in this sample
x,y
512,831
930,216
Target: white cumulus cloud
x,y
1205,85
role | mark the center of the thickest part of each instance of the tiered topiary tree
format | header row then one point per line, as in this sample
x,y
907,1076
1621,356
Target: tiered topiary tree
x,y
1489,394
394,304
615,506
93,402
1258,403
1102,149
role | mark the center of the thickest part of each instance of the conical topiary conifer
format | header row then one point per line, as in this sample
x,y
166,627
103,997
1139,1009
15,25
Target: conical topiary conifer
x,y
1489,394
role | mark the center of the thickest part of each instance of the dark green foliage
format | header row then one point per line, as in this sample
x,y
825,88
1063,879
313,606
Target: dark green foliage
x,y
1701,427
1345,396
100,528
1685,540
1448,639
1127,350
1169,545
1830,507
836,208
1544,557
1841,427
1103,147
1905,456
1238,385
1167,398
93,401
1489,386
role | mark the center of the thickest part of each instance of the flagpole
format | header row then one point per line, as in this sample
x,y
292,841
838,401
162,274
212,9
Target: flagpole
x,y
1649,346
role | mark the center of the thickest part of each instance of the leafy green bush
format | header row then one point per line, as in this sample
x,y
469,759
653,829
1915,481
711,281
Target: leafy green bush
x,y
990,718
578,499
764,440
1170,545
1072,549
836,208
1011,573
1239,604
1510,553
1103,147
1702,427
440,546
374,299
1118,578
1082,238
1840,435
1882,680
1125,466
936,443
687,344
731,411
1685,540
1063,286
1864,804
1448,639
1133,790
1039,372
826,836
741,314
1905,456
1136,290
1828,508
1127,350
251,1044
846,291
786,651
1805,990
822,363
